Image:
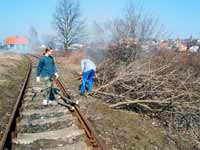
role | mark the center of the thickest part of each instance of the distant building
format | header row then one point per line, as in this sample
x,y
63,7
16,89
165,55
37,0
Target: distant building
x,y
164,44
182,47
129,41
194,48
17,42
76,47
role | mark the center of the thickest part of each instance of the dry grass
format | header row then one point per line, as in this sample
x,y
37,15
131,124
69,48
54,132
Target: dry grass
x,y
75,57
12,71
166,86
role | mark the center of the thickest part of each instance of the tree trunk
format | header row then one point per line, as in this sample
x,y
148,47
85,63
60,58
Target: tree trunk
x,y
66,47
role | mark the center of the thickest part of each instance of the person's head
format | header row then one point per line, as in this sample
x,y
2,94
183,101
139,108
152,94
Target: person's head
x,y
48,51
86,57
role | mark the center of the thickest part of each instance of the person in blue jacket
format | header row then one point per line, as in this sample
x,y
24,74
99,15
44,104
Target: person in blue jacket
x,y
47,70
88,69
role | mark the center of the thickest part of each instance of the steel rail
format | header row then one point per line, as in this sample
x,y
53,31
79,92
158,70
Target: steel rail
x,y
94,139
7,134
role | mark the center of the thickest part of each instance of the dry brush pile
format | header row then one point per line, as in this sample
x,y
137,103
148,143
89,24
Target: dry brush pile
x,y
164,85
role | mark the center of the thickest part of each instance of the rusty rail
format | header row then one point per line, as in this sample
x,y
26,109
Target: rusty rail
x,y
94,139
5,141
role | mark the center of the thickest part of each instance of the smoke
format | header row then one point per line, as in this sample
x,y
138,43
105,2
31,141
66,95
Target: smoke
x,y
17,50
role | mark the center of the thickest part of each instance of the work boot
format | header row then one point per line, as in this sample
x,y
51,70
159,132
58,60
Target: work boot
x,y
82,94
53,103
49,102
45,102
88,94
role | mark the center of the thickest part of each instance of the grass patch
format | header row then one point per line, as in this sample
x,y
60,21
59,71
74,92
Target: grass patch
x,y
12,76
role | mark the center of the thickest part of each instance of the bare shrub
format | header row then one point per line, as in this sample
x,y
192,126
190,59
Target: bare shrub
x,y
165,86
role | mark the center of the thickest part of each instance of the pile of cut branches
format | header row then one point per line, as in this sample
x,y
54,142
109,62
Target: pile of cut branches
x,y
166,85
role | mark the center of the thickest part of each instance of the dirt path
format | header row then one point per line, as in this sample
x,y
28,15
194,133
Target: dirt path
x,y
122,130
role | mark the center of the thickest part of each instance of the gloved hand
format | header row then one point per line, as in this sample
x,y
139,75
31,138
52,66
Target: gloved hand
x,y
57,76
80,73
37,79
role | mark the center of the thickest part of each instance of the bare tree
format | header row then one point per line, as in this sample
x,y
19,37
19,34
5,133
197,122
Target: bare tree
x,y
130,31
68,22
136,23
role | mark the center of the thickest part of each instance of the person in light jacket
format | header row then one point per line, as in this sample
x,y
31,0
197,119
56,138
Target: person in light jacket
x,y
47,70
88,69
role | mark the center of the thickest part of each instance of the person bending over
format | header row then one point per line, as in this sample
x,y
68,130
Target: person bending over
x,y
88,69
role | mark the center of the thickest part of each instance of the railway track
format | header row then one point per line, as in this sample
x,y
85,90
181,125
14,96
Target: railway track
x,y
33,126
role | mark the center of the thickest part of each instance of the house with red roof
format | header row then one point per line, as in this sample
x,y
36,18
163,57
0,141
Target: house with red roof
x,y
17,42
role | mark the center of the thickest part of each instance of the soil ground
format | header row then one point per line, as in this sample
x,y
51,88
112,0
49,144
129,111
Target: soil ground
x,y
121,130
